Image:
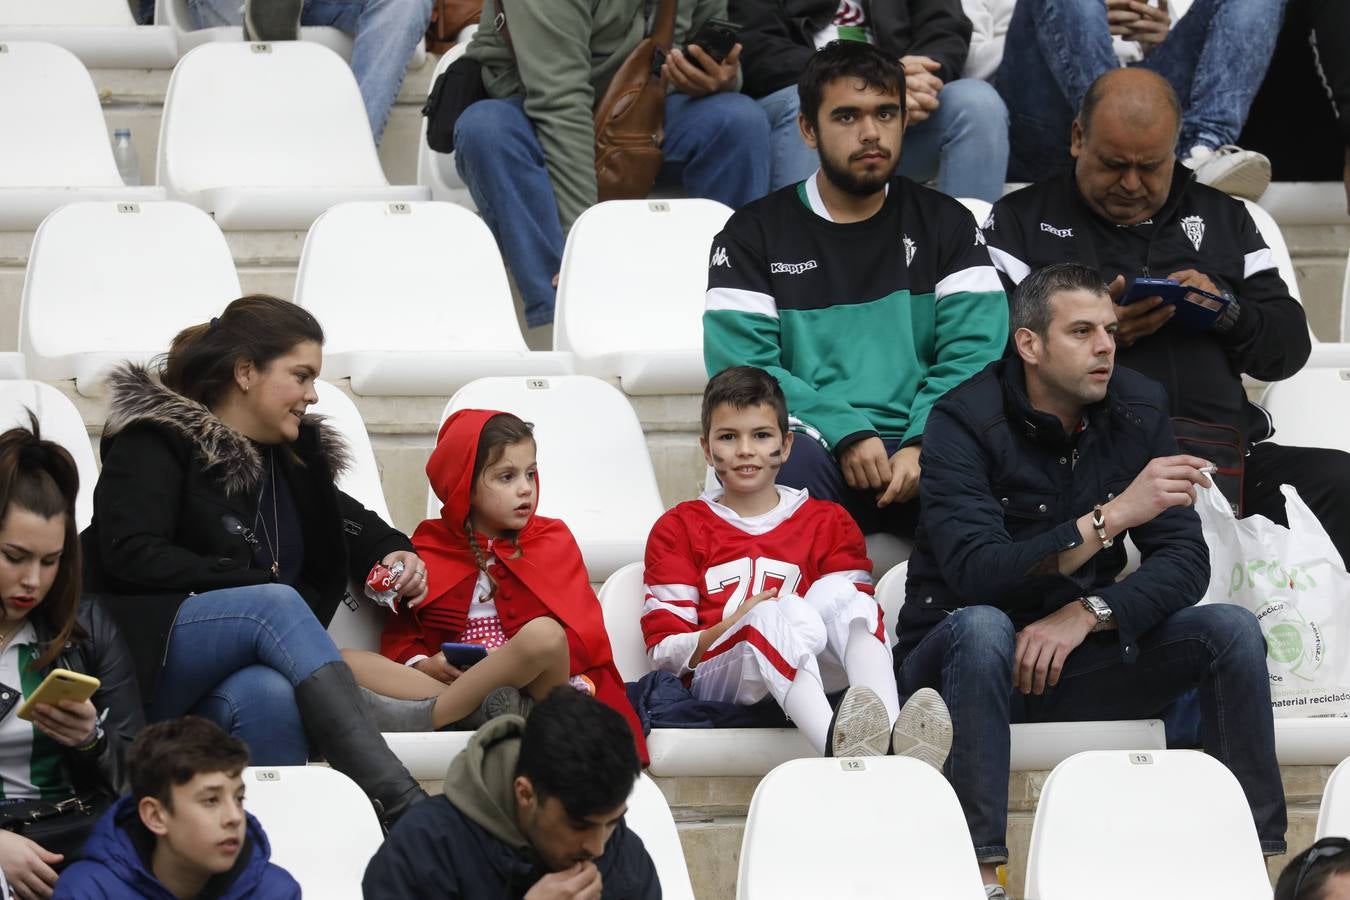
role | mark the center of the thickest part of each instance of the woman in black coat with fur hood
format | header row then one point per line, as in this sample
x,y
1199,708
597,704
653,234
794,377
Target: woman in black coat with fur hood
x,y
223,546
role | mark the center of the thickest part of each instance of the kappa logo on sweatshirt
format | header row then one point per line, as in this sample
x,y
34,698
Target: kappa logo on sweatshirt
x,y
910,247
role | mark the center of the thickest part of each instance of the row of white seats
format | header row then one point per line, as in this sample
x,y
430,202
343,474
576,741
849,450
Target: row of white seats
x,y
259,135
104,34
1109,825
413,297
1177,825
368,268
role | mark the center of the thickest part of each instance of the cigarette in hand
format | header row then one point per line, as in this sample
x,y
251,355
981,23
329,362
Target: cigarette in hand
x,y
1208,470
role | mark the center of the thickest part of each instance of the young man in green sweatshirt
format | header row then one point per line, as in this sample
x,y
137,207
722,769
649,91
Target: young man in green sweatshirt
x,y
866,295
528,154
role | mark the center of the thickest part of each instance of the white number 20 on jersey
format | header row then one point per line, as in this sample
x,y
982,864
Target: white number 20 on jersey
x,y
750,577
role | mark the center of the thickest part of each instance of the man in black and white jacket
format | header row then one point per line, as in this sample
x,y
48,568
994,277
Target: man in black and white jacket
x,y
1128,210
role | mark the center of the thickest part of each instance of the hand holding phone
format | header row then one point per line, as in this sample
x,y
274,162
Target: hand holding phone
x,y
716,37
461,656
60,684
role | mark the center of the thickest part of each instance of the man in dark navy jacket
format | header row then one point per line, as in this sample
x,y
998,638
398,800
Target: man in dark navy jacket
x,y
1032,473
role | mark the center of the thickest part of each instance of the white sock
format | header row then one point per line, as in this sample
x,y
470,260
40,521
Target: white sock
x,y
807,707
867,661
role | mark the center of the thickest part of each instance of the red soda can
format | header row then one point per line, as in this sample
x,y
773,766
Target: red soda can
x,y
380,584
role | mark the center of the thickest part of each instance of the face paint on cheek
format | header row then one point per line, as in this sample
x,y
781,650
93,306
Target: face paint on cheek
x,y
777,459
720,463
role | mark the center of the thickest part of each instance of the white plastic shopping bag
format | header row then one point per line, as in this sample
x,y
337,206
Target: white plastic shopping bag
x,y
1295,582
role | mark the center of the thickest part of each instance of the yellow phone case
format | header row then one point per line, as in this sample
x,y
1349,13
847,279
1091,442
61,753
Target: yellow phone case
x,y
60,684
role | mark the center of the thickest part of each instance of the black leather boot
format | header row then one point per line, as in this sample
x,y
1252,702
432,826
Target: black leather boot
x,y
339,726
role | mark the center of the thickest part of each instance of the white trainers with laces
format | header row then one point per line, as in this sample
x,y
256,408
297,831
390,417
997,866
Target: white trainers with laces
x,y
1241,173
995,892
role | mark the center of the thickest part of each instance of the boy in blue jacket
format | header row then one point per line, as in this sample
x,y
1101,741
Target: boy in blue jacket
x,y
183,833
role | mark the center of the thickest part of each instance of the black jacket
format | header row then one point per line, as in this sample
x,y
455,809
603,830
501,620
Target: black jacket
x,y
778,36
1002,488
98,650
1202,371
176,488
439,853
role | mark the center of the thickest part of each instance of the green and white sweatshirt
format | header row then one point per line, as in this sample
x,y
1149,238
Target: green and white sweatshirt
x,y
864,324
31,764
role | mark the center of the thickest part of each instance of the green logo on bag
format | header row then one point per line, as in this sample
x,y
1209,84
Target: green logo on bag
x,y
1284,643
1261,573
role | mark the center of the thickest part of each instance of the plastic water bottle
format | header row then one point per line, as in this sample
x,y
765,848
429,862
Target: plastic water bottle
x,y
125,155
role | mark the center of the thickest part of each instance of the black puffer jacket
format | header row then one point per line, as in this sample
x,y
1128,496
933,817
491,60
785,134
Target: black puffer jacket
x,y
176,485
778,36
1003,487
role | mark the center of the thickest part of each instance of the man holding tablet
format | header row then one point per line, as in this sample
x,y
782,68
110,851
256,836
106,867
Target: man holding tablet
x,y
1128,210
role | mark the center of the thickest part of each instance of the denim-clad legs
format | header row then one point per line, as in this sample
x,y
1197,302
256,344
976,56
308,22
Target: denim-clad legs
x,y
716,144
1215,57
963,145
385,32
235,657
1218,649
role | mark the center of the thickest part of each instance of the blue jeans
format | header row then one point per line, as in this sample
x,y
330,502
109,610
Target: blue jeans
x,y
1215,58
963,144
811,466
1218,649
385,34
715,144
235,657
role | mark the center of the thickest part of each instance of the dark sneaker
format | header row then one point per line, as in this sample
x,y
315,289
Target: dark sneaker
x,y
507,701
272,20
923,730
860,727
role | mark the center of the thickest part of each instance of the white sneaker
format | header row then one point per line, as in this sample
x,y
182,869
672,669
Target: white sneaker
x,y
861,726
1241,173
995,892
923,730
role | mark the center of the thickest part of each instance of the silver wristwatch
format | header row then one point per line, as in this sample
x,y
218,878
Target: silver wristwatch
x,y
1097,606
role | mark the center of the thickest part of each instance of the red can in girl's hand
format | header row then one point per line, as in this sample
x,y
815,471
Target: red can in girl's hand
x,y
380,584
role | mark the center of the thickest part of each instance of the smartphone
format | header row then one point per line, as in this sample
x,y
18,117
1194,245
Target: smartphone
x,y
61,684
461,656
717,37
1195,309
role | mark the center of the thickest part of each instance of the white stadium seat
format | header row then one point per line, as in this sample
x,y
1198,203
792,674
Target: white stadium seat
x,y
1299,407
650,819
142,272
1171,823
708,752
59,421
437,170
1306,202
175,15
905,833
370,267
621,598
1274,238
268,136
594,470
55,148
358,621
1333,818
102,33
321,826
631,292
1345,303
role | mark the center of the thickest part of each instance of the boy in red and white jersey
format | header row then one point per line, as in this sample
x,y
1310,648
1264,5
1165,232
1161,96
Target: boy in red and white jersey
x,y
758,590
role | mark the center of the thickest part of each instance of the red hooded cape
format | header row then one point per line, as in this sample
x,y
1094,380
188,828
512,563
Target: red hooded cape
x,y
547,577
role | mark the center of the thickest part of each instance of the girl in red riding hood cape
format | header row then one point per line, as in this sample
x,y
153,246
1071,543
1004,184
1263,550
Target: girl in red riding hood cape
x,y
503,577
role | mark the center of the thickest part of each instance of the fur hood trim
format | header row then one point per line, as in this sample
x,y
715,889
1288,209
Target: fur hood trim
x,y
226,455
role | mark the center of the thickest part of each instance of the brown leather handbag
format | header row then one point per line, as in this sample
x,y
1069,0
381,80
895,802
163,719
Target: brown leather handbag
x,y
448,19
630,116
